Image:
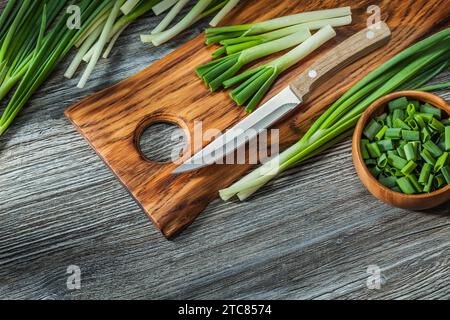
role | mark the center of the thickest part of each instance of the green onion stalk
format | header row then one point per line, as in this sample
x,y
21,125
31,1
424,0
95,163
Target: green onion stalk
x,y
228,7
434,87
163,6
101,42
128,6
18,23
216,72
215,35
51,44
144,7
99,21
257,81
103,34
201,9
341,117
164,24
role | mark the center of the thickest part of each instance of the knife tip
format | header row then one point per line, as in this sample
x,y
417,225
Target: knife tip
x,y
178,170
186,168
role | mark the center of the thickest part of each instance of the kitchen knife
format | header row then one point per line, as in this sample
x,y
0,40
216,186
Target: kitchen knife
x,y
347,52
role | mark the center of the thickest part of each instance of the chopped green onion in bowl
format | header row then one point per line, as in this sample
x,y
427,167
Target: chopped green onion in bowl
x,y
407,148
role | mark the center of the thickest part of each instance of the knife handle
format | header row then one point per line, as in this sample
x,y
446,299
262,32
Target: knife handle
x,y
339,57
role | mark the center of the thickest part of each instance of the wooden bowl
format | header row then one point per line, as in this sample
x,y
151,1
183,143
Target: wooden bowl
x,y
396,199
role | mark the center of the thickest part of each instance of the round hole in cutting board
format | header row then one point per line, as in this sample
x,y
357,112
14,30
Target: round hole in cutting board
x,y
163,142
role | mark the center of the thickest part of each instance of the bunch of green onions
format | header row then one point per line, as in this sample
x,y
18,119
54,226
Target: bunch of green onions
x,y
17,51
202,8
410,69
99,39
215,73
233,45
28,57
244,44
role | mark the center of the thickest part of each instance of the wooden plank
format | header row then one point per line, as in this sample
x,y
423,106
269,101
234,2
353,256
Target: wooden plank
x,y
113,119
296,238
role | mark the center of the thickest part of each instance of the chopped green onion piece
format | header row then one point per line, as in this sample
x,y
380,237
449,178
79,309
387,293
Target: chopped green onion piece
x,y
386,145
400,149
399,123
425,173
429,184
389,121
381,118
398,114
397,162
364,151
396,172
441,144
380,135
375,171
374,150
382,161
436,125
413,124
389,182
411,151
410,135
409,168
434,150
426,135
371,130
415,103
393,133
427,108
419,120
392,152
447,138
411,109
439,181
413,179
405,185
426,155
446,173
425,116
400,103
441,162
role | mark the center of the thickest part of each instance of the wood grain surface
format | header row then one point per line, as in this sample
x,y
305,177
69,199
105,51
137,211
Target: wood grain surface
x,y
311,234
170,91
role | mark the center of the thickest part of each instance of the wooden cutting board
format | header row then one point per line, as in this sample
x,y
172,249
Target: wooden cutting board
x,y
113,120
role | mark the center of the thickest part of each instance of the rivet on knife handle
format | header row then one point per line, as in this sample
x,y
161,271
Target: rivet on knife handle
x,y
339,57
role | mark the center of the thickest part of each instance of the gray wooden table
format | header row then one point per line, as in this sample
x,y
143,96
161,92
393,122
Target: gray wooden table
x,y
312,234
